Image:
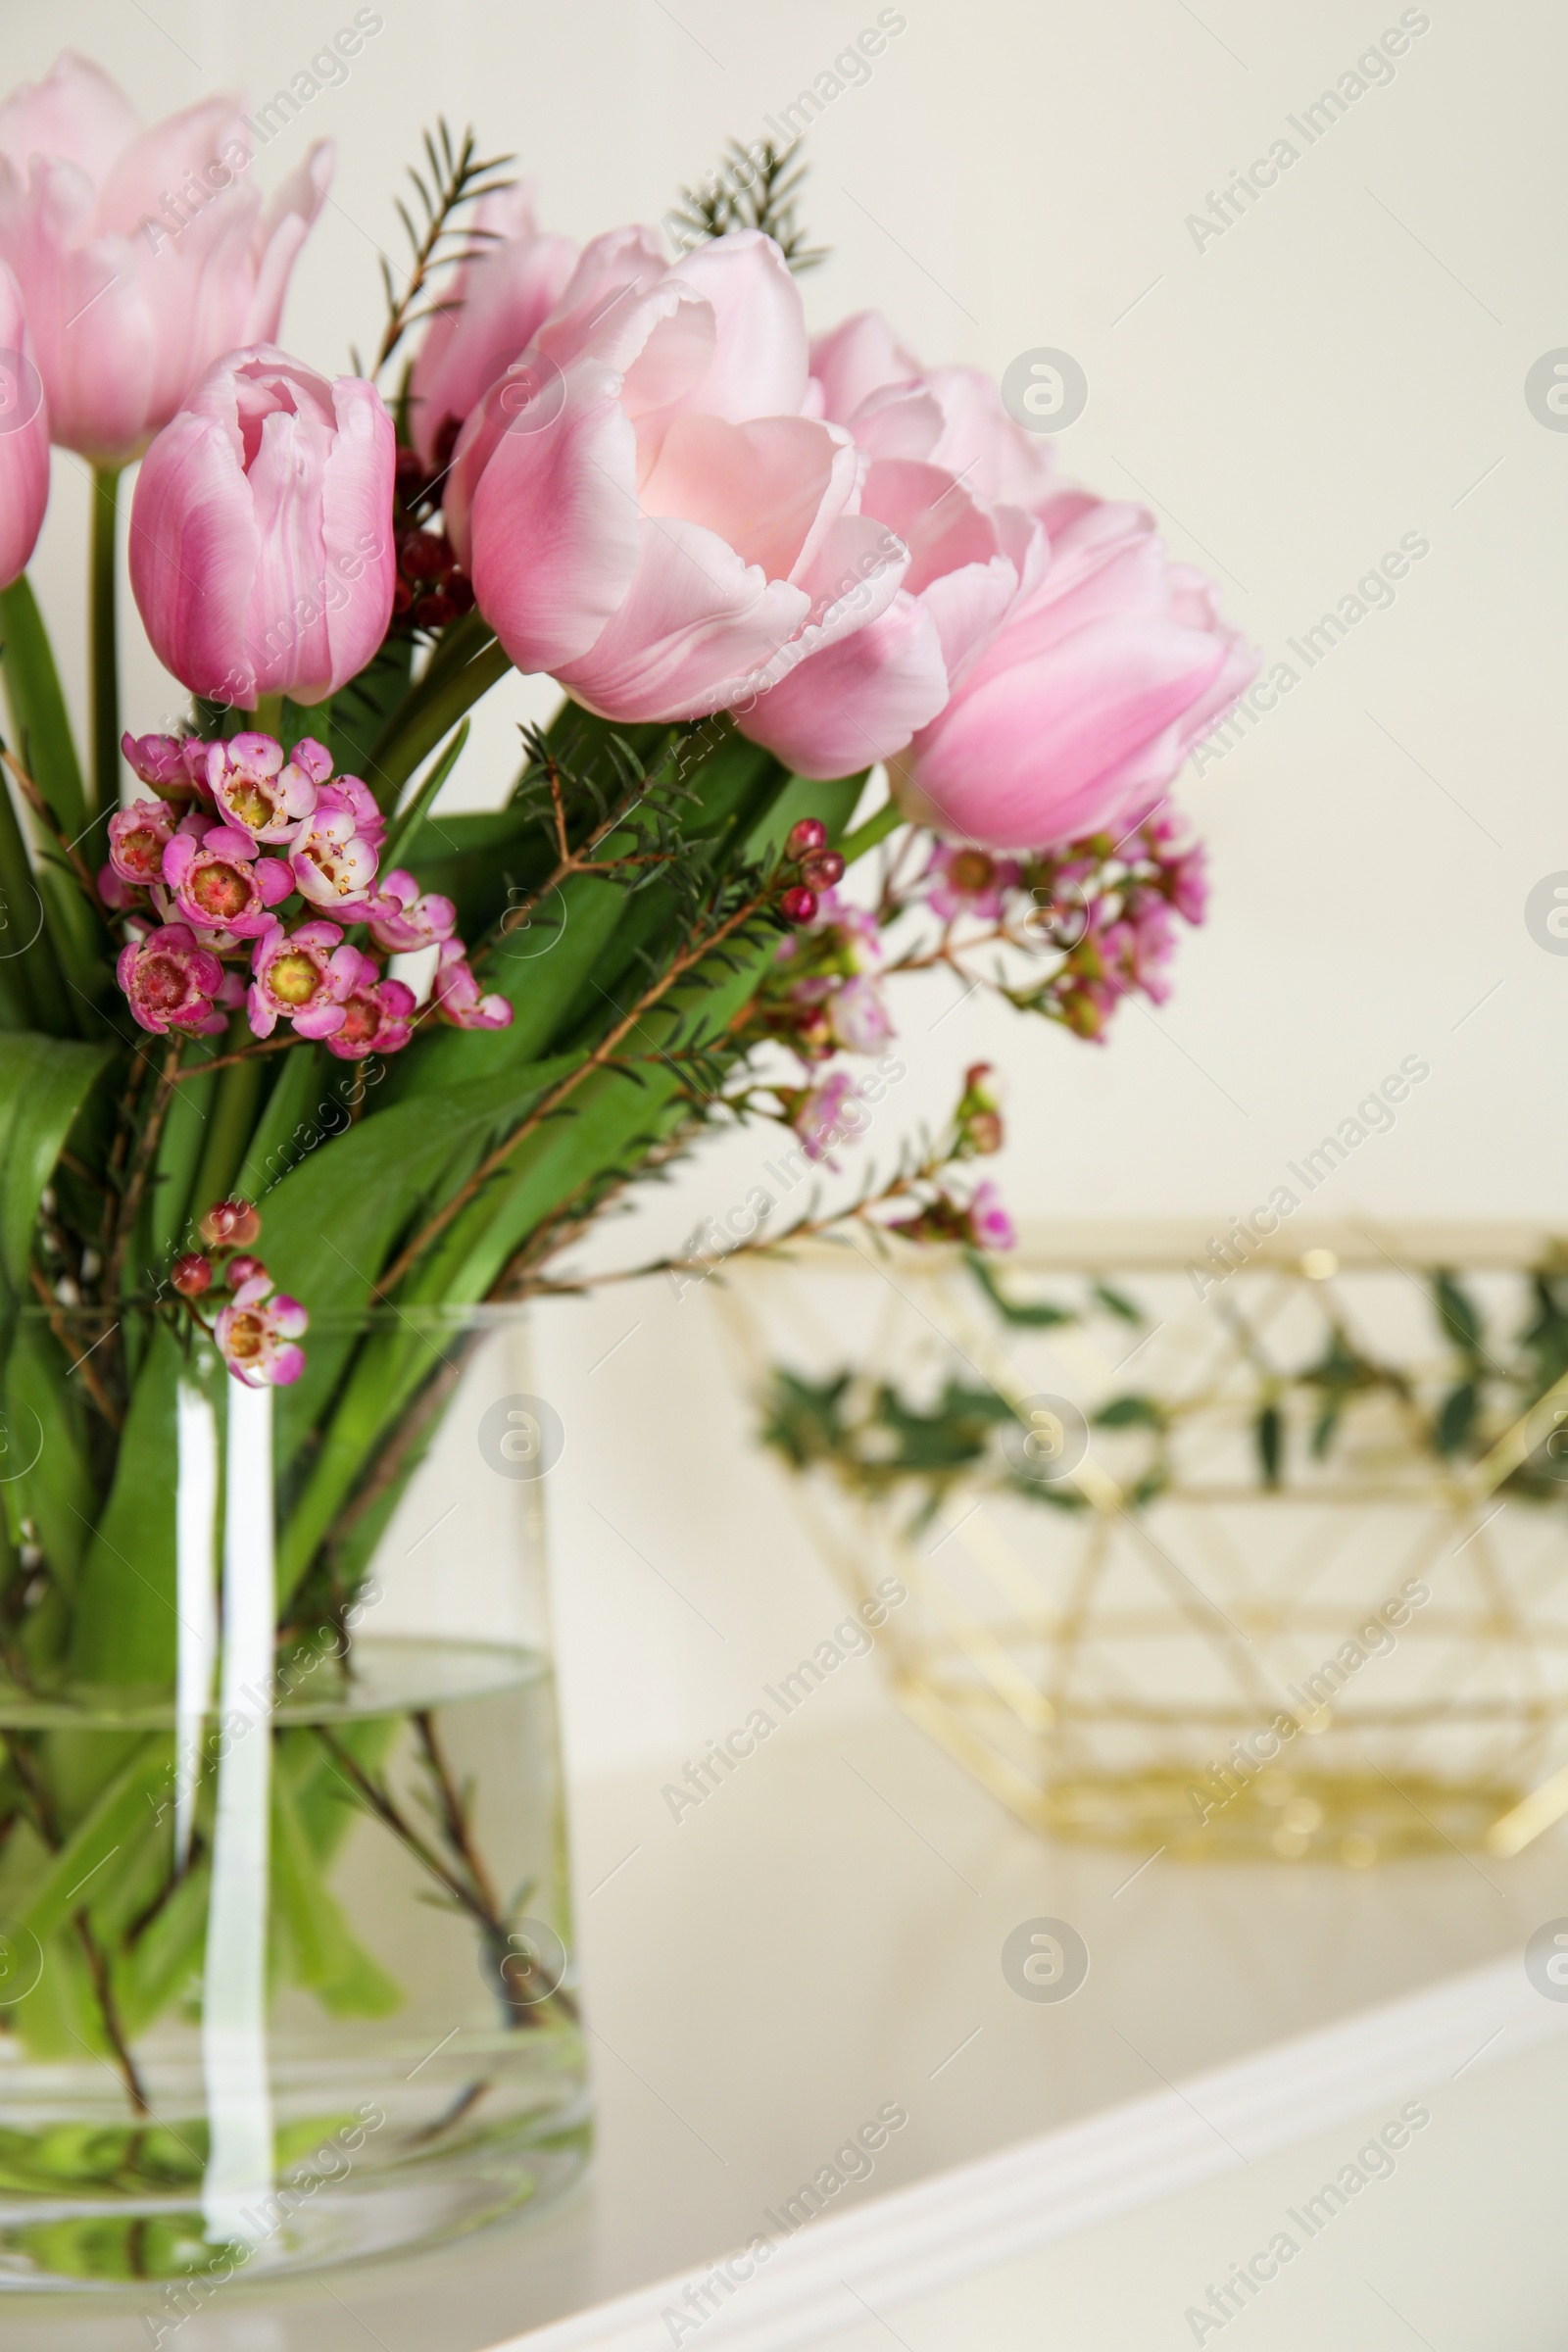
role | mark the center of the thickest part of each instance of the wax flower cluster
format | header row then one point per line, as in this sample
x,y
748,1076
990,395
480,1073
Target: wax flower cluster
x,y
256,1333
238,884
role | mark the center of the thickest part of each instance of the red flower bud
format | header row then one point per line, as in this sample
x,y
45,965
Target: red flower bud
x,y
822,869
191,1274
241,1269
797,904
802,839
231,1224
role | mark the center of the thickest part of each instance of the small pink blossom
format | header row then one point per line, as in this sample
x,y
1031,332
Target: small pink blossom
x,y
137,838
158,760
260,793
334,854
990,1225
457,993
828,1114
173,983
304,976
969,881
403,921
377,1015
256,1335
857,1016
217,881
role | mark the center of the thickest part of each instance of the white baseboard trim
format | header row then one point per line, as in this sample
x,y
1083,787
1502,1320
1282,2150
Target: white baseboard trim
x,y
940,2231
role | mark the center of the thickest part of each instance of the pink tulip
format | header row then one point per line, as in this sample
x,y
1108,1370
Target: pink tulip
x,y
261,543
24,437
1078,714
947,416
646,511
493,306
141,254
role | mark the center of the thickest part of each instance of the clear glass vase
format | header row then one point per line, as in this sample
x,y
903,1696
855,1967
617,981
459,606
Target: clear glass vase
x,y
285,1953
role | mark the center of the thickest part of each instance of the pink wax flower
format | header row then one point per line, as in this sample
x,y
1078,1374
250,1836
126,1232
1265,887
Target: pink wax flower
x,y
828,1114
171,981
137,838
990,1226
141,254
857,1016
662,526
969,881
24,437
457,995
1078,714
492,307
403,921
256,1335
259,792
333,857
304,976
261,544
217,881
377,1015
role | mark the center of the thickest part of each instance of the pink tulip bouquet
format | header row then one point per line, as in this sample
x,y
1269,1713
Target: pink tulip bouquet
x,y
290,1050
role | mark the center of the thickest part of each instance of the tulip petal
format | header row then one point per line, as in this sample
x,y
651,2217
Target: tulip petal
x,y
566,495
76,113
769,488
1043,754
861,357
694,628
194,552
761,360
857,702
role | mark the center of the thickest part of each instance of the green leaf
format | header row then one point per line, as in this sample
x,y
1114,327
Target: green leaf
x,y
1116,1303
409,819
44,1081
1457,1418
1270,1435
1457,1313
119,1816
1036,1315
126,1622
38,707
1132,1412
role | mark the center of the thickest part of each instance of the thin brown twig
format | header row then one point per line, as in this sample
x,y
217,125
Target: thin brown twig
x,y
224,1061
90,1372
98,1970
40,807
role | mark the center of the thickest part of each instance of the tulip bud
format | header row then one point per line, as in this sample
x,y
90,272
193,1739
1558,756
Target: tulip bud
x,y
797,904
245,591
24,437
803,838
192,1274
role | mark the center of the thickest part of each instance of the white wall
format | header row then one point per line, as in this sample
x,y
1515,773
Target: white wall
x,y
1345,366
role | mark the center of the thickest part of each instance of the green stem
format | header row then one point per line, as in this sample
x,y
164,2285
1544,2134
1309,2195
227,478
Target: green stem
x,y
887,819
268,716
229,1128
105,649
416,732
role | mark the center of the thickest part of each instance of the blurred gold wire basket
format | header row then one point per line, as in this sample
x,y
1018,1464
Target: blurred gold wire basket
x,y
1216,1552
